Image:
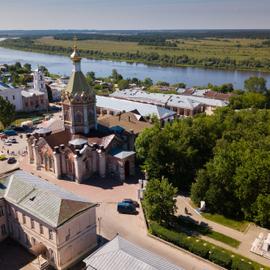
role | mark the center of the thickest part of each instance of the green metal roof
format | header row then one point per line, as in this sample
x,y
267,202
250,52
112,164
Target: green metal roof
x,y
77,84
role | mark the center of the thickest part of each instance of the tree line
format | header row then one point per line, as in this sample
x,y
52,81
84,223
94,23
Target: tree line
x,y
153,58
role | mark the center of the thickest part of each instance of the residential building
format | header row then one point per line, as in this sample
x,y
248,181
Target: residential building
x,y
13,95
82,149
120,254
47,220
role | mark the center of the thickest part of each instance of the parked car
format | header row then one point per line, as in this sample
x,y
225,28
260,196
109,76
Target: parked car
x,y
10,132
126,208
130,201
11,160
11,140
2,157
3,136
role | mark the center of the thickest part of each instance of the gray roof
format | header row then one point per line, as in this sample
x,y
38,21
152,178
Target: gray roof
x,y
121,105
120,254
124,154
45,201
32,92
181,101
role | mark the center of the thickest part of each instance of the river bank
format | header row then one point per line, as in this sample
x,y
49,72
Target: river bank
x,y
61,65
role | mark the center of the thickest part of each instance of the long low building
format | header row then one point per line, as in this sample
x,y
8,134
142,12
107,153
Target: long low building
x,y
46,219
114,106
120,254
182,105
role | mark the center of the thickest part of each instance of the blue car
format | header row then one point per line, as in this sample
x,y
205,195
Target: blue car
x,y
126,208
10,132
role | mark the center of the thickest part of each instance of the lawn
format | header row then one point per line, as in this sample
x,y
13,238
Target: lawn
x,y
234,224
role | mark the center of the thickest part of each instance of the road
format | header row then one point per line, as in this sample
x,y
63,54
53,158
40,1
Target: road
x,y
131,227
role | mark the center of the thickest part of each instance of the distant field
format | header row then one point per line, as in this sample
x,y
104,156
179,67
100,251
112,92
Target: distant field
x,y
216,53
238,49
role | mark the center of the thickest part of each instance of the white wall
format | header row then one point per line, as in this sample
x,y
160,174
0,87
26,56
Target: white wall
x,y
14,96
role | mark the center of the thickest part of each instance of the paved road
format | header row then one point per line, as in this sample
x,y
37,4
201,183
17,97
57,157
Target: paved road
x,y
131,227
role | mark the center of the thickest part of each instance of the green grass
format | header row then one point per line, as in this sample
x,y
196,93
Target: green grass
x,y
238,49
224,239
234,224
184,224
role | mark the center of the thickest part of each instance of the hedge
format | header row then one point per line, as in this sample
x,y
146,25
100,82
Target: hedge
x,y
202,248
221,258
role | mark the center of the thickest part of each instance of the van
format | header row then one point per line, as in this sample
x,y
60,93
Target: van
x,y
126,208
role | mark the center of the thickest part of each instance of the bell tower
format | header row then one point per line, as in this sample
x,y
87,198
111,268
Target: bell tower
x,y
79,100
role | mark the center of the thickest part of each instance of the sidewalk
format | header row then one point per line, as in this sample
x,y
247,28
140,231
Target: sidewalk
x,y
246,238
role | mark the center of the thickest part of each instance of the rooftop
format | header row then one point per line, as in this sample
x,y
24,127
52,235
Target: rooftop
x,y
120,254
45,201
143,109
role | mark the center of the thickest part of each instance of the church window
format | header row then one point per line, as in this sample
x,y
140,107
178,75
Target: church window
x,y
78,117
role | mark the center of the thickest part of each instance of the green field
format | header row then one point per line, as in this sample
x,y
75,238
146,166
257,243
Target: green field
x,y
238,49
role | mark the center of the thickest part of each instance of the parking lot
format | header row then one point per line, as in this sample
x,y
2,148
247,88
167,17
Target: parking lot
x,y
16,150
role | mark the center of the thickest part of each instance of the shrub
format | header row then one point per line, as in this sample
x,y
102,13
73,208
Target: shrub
x,y
220,258
237,264
199,249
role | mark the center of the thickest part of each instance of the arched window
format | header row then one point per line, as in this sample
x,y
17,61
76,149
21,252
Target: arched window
x,y
78,117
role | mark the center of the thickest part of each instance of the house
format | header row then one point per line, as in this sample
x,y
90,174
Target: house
x,y
81,149
13,95
120,254
46,219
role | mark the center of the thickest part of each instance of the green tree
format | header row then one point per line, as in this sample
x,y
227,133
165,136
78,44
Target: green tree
x,y
256,84
7,112
116,76
262,210
159,200
249,100
27,67
147,82
123,84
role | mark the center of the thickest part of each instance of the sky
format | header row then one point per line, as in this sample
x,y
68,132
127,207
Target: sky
x,y
134,14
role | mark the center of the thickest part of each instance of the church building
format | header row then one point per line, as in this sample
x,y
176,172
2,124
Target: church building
x,y
83,148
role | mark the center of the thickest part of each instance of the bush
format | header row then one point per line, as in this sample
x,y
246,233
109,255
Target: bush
x,y
3,157
199,249
220,258
237,264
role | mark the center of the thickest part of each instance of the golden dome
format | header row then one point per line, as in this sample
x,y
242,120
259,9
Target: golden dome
x,y
75,56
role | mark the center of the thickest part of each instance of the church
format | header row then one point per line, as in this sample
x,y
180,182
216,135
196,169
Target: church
x,y
82,148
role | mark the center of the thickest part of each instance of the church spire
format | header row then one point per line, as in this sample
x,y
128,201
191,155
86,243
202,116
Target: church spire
x,y
75,56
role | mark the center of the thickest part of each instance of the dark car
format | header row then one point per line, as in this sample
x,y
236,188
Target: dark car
x,y
11,160
130,201
126,208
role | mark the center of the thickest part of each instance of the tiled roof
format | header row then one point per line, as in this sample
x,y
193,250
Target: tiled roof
x,y
120,254
45,201
77,84
127,121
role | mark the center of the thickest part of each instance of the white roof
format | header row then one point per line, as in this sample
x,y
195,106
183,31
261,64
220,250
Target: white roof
x,y
120,254
53,125
127,106
32,92
181,101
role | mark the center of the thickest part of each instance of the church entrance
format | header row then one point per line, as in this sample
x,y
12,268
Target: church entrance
x,y
126,169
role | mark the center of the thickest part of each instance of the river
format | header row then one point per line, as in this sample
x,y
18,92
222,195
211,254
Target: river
x,y
189,75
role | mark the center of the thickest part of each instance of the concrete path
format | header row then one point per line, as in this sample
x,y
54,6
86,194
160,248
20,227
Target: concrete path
x,y
246,238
